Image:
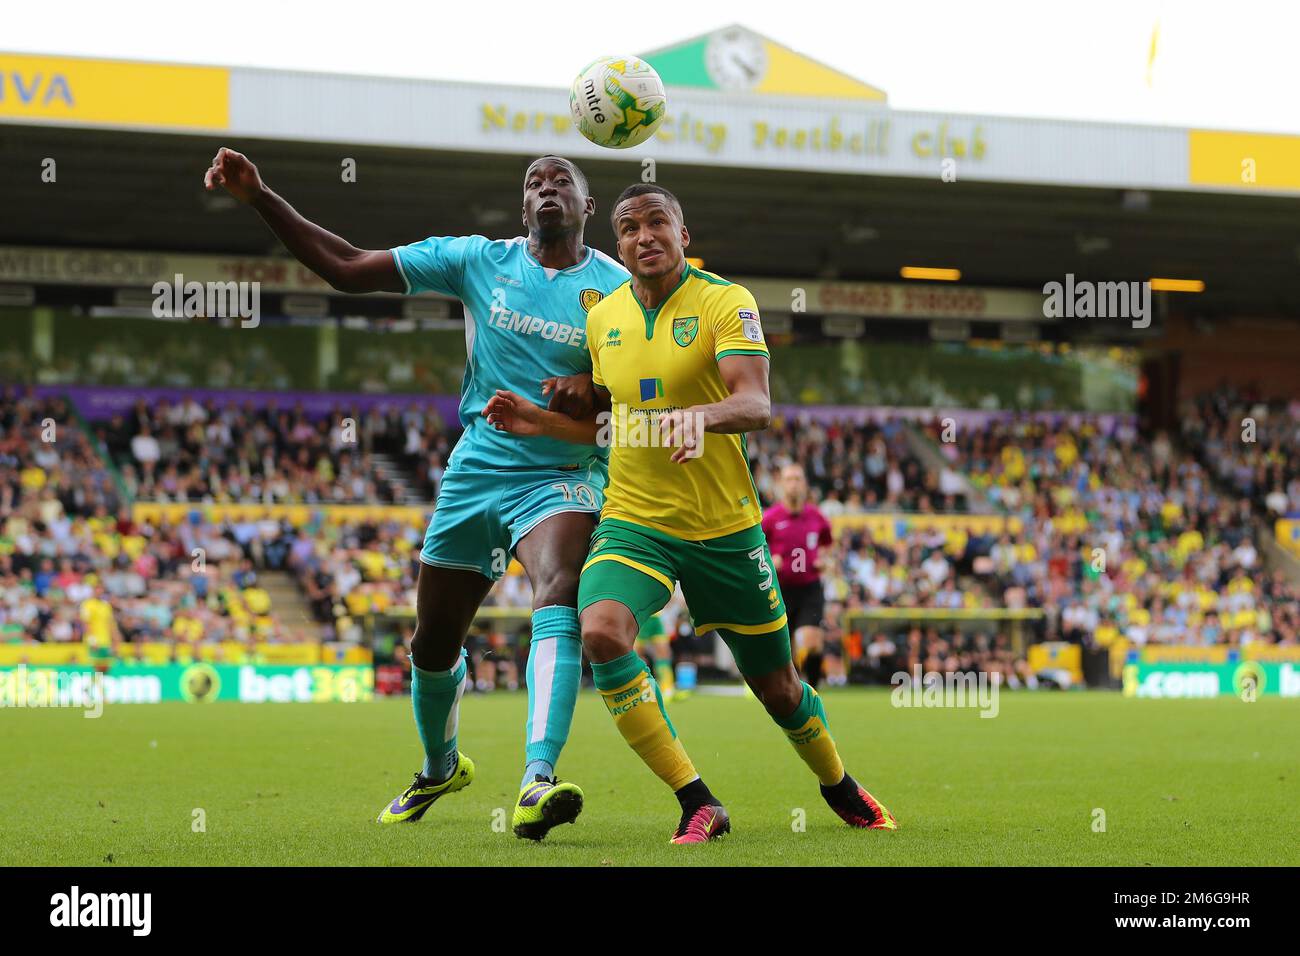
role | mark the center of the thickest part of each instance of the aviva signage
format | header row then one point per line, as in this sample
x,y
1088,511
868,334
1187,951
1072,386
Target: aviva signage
x,y
76,90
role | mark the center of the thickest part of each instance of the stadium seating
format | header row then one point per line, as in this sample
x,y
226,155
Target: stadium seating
x,y
227,452
1248,442
1110,538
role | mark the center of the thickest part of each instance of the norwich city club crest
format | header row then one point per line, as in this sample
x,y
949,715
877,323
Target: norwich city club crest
x,y
589,297
684,330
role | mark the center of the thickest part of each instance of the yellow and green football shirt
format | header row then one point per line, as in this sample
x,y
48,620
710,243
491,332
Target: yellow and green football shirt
x,y
652,361
97,615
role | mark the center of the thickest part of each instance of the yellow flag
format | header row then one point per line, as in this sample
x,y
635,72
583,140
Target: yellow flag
x,y
1151,54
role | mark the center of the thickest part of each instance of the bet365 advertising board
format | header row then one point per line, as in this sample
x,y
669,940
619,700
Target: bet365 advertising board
x,y
51,686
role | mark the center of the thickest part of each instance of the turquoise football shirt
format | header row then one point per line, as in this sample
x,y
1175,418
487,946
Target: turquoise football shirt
x,y
523,323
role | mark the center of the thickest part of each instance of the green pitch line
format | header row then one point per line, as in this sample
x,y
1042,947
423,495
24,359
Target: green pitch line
x,y
1194,782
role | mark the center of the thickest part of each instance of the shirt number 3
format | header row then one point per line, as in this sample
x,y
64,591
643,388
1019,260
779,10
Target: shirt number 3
x,y
759,555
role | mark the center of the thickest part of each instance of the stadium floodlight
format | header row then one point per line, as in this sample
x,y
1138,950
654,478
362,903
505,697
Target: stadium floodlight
x,y
1177,285
933,275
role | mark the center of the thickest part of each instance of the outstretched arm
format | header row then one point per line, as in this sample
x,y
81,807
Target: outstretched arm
x,y
747,409
508,412
334,259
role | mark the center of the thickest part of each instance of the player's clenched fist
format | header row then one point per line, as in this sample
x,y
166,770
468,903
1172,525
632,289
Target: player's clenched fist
x,y
236,173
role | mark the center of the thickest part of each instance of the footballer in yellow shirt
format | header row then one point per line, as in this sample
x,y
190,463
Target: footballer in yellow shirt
x,y
654,362
100,629
680,372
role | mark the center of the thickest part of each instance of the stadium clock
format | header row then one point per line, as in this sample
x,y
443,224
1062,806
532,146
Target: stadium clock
x,y
736,59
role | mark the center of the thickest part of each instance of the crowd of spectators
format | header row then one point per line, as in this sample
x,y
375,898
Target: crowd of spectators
x,y
75,566
103,579
921,568
1250,443
854,466
1123,534
351,569
219,452
885,653
1112,533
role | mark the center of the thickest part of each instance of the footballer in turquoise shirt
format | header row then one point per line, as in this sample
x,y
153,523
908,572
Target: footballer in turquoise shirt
x,y
526,302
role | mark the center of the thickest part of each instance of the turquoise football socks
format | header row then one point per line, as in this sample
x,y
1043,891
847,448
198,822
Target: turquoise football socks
x,y
435,697
554,671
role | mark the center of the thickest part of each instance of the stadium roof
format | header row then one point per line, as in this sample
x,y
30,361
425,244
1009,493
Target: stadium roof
x,y
773,185
751,129
143,191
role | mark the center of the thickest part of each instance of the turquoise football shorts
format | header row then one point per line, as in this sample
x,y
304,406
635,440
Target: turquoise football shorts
x,y
481,515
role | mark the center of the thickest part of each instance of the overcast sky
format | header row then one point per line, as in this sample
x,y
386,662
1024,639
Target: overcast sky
x,y
1228,64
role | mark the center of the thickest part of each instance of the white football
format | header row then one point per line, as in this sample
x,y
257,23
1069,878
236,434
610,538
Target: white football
x,y
617,101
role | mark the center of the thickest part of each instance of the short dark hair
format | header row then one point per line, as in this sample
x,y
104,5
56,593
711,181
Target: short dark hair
x,y
578,174
644,189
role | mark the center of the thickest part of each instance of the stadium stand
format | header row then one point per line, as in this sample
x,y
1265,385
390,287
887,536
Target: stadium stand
x,y
224,452
1115,538
854,466
1248,441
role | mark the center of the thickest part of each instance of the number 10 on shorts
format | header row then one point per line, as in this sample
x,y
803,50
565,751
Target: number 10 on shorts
x,y
578,492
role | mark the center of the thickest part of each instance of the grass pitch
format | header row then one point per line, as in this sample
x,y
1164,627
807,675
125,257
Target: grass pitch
x,y
1181,782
